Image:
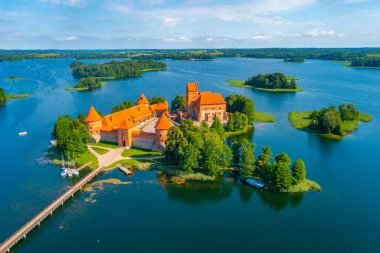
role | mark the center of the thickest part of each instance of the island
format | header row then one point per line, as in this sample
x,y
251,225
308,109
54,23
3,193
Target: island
x,y
4,96
187,143
13,78
93,75
330,122
294,59
276,82
87,83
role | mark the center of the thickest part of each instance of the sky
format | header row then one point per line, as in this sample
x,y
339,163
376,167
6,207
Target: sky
x,y
140,24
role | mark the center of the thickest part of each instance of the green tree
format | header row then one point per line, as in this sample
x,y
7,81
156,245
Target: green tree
x,y
176,144
242,104
283,158
237,121
263,158
191,157
204,128
123,105
299,171
3,98
215,154
247,158
331,121
218,128
156,100
179,103
281,176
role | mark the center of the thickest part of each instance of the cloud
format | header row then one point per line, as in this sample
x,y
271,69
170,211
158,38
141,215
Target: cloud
x,y
262,37
124,7
170,21
177,39
320,33
73,3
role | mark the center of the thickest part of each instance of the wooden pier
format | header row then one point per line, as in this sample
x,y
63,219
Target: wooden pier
x,y
125,170
36,220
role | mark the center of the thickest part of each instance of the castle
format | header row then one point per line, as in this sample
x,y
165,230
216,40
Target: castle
x,y
205,105
146,126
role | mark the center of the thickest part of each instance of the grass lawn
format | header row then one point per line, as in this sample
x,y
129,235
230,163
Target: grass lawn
x,y
196,176
242,84
304,186
100,151
232,133
134,164
87,157
104,144
13,78
261,117
139,152
17,96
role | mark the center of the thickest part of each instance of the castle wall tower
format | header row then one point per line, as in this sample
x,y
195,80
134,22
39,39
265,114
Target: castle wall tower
x,y
142,100
93,122
191,94
161,128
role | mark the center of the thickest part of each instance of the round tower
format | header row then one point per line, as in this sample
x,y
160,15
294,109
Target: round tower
x,y
161,128
93,122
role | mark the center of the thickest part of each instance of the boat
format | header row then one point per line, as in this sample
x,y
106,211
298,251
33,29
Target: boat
x,y
255,183
64,173
22,133
70,172
75,172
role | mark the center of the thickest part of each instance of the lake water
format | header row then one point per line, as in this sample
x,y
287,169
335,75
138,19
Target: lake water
x,y
148,216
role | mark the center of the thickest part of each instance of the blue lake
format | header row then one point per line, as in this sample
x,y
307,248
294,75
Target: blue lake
x,y
148,216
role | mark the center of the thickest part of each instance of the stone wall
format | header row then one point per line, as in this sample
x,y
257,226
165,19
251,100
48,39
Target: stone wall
x,y
110,136
143,140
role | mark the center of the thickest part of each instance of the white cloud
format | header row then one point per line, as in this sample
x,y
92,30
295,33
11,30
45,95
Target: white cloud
x,y
74,3
262,37
320,33
170,21
177,39
119,7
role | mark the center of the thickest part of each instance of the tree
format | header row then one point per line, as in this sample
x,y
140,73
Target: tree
x,y
348,112
218,128
331,121
247,158
204,128
271,81
191,157
215,154
179,103
281,176
176,144
237,121
156,100
123,105
3,98
187,125
263,158
299,171
242,104
283,158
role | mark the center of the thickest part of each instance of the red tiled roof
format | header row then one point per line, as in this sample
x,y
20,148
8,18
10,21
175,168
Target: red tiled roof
x,y
159,107
142,100
209,98
193,87
163,123
92,115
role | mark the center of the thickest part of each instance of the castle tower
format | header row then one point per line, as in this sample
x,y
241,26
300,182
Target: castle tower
x,y
93,122
142,100
191,94
162,127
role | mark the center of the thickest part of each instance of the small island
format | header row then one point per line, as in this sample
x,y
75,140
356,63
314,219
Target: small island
x,y
94,75
294,59
4,96
276,82
87,83
13,78
330,122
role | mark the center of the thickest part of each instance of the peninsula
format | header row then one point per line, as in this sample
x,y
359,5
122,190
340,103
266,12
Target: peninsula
x,y
4,96
329,122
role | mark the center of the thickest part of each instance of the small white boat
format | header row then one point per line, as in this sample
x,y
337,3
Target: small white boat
x,y
22,133
64,173
69,172
75,172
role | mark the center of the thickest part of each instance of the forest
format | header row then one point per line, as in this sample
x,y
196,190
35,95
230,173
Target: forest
x,y
115,69
336,54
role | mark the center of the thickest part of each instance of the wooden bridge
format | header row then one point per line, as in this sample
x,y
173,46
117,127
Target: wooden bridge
x,y
36,220
125,170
